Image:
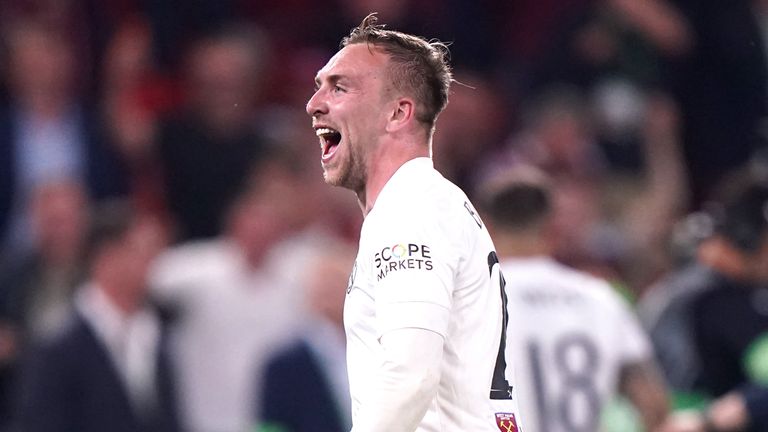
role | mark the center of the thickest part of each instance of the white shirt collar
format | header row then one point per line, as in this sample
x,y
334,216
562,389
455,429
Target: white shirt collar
x,y
132,342
407,171
106,320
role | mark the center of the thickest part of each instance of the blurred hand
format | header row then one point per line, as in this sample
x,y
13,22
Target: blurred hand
x,y
683,421
729,413
659,21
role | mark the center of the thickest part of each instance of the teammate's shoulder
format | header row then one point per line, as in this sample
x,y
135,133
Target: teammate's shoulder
x,y
194,261
589,284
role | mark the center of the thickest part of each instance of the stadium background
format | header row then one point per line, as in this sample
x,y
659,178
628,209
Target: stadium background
x,y
639,110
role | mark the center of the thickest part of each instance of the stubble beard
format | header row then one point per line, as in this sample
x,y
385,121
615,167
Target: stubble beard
x,y
349,174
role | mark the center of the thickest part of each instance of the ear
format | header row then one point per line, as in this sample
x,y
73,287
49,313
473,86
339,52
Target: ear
x,y
402,114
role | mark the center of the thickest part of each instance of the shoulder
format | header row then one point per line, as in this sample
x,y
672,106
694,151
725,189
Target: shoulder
x,y
713,302
72,341
554,273
566,280
193,261
428,200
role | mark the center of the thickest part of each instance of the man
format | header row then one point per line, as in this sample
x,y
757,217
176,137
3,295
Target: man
x,y
233,309
46,132
305,385
729,316
109,369
208,147
576,343
424,313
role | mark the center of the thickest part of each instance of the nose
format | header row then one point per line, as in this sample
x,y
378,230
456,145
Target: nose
x,y
316,104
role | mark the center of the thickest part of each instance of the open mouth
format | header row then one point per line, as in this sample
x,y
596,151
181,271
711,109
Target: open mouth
x,y
329,141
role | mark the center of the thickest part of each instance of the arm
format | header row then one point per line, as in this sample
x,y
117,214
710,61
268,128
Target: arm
x,y
641,383
733,412
660,22
405,383
663,198
739,410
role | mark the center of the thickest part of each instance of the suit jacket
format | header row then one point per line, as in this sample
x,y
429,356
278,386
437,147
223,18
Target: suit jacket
x,y
71,385
297,396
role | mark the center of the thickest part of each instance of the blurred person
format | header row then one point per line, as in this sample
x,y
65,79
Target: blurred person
x,y
135,94
305,385
424,312
558,137
645,205
595,40
36,290
723,315
613,52
208,146
664,308
608,221
232,308
45,131
577,345
108,369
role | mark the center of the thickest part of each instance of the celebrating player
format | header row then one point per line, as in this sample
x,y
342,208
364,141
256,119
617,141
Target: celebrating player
x,y
576,344
424,314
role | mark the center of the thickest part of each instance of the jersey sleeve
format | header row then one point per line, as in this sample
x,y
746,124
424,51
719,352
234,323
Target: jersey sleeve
x,y
414,261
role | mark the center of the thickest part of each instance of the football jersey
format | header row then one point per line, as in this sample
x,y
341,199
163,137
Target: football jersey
x,y
569,335
426,261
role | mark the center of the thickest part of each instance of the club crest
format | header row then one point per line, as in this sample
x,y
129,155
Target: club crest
x,y
506,422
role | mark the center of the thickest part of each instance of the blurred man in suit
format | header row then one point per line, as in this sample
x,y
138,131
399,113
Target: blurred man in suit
x,y
305,385
107,370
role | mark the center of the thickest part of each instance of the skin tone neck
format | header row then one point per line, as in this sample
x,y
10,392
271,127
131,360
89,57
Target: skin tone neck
x,y
524,243
394,150
123,296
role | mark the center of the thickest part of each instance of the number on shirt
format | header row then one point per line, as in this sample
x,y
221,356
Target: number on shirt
x,y
577,384
500,388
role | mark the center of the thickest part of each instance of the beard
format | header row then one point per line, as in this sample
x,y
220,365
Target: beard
x,y
349,172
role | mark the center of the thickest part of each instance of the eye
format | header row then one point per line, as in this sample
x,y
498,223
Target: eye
x,y
338,89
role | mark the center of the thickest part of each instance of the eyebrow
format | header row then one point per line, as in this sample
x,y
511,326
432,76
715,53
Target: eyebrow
x,y
333,79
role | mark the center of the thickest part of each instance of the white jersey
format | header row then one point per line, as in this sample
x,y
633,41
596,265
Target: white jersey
x,y
569,335
426,261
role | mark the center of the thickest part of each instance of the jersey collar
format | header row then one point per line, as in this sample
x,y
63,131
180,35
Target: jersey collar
x,y
408,172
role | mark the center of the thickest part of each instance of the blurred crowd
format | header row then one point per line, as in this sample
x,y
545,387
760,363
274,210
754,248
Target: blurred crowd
x,y
165,229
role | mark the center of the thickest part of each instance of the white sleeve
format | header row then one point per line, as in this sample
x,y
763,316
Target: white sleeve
x,y
414,263
406,382
174,276
635,346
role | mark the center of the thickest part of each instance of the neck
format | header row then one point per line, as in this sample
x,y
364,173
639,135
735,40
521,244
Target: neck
x,y
383,162
119,293
520,244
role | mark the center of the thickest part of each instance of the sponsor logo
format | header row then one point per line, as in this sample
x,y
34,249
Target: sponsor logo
x,y
506,422
402,256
